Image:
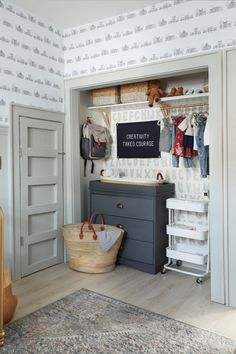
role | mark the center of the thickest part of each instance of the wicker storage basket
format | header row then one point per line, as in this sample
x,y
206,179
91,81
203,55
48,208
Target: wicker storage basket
x,y
85,254
135,92
106,95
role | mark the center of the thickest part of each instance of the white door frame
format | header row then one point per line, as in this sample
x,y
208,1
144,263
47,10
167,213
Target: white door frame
x,y
16,112
229,169
211,61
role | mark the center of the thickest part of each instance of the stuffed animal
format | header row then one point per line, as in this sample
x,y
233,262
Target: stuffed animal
x,y
179,91
175,92
154,92
172,92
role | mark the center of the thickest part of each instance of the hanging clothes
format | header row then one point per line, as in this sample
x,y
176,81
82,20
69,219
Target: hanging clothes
x,y
178,148
203,150
207,133
165,143
181,124
186,126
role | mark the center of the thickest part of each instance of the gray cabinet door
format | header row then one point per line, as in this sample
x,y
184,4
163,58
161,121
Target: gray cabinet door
x,y
130,207
137,251
41,147
140,230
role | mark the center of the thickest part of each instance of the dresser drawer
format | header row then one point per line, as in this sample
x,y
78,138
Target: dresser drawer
x,y
137,251
140,230
138,208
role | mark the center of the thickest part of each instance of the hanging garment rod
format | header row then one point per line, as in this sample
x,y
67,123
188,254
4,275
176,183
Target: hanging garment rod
x,y
165,108
184,105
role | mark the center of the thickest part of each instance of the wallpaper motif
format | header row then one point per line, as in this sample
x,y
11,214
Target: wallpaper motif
x,y
165,30
31,61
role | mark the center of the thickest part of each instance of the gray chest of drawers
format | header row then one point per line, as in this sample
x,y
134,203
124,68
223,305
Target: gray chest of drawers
x,y
141,211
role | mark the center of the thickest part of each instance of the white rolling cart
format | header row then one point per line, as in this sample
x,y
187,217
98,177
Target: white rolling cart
x,y
198,258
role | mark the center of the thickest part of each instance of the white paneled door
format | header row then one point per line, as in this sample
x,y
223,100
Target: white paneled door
x,y
41,180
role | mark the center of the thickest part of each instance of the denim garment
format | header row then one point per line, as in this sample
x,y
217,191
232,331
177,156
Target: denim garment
x,y
188,162
203,151
175,159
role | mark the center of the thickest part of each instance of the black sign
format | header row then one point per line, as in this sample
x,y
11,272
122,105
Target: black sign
x,y
138,140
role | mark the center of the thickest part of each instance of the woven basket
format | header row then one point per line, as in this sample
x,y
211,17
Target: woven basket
x,y
85,254
106,95
135,92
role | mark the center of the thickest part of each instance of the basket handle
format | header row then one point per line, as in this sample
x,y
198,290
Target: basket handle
x,y
102,219
159,176
81,235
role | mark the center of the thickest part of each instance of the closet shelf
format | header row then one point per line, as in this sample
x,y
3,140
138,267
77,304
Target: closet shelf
x,y
187,205
187,231
199,259
185,99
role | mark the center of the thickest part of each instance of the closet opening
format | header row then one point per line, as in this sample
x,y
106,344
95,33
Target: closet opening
x,y
194,241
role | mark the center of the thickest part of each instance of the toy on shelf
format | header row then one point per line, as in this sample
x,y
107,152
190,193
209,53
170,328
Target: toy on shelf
x,y
206,88
179,91
175,92
154,92
172,92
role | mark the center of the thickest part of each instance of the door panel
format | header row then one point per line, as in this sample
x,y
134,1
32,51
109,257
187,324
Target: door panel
x,y
41,138
41,194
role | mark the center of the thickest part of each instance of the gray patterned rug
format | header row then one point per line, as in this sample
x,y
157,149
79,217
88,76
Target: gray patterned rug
x,y
88,323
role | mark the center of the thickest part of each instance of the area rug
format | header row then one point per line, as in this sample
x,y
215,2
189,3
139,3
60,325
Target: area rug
x,y
89,323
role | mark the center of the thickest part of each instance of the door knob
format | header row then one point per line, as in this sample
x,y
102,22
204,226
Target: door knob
x,y
120,206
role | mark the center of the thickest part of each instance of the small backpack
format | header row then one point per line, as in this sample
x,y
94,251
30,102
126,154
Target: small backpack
x,y
93,143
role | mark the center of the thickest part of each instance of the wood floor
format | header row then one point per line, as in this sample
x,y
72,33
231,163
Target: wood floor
x,y
174,295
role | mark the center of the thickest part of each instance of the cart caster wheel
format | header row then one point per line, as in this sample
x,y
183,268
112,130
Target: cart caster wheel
x,y
164,270
199,280
179,263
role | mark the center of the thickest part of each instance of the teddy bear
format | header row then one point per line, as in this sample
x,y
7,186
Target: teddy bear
x,y
154,92
175,92
172,92
179,91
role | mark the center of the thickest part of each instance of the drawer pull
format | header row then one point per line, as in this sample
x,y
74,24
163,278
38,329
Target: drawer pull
x,y
120,226
120,206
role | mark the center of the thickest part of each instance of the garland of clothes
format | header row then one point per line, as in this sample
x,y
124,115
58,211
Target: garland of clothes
x,y
187,136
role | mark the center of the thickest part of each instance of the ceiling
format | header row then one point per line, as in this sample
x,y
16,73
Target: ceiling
x,y
72,13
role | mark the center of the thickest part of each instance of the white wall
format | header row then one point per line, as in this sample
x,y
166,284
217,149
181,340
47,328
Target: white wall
x,y
31,73
31,61
165,30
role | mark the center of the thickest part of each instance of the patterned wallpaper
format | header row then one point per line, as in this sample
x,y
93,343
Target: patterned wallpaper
x,y
165,30
31,61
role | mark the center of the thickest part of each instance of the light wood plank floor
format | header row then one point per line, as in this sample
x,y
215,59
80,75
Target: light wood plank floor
x,y
174,295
